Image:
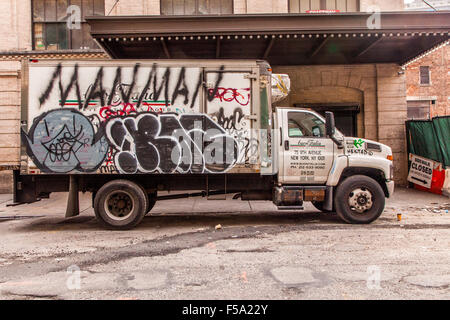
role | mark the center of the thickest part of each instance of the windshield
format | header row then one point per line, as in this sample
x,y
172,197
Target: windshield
x,y
306,124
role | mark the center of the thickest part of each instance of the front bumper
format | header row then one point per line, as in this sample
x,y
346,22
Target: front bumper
x,y
390,187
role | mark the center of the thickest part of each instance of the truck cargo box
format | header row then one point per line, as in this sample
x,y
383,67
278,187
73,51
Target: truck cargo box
x,y
128,117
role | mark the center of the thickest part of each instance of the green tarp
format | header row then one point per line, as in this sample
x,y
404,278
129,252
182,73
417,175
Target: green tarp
x,y
430,139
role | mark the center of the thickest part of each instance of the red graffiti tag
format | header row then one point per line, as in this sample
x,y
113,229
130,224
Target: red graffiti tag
x,y
124,109
241,96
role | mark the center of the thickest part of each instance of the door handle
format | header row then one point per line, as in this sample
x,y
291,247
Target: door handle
x,y
286,145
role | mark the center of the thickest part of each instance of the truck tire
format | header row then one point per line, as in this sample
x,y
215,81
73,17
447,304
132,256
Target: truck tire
x,y
120,204
359,199
151,202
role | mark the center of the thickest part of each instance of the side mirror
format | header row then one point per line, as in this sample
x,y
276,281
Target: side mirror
x,y
331,128
329,124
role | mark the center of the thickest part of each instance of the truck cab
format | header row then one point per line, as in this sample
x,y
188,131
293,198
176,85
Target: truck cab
x,y
334,172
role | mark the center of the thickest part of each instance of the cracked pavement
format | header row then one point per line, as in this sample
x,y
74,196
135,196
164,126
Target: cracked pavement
x,y
259,253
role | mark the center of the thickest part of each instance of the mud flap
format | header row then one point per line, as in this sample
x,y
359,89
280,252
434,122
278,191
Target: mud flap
x,y
328,203
73,203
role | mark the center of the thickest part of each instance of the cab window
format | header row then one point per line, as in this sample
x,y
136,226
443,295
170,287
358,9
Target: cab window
x,y
305,124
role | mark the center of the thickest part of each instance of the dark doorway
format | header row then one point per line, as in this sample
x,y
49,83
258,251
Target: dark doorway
x,y
344,114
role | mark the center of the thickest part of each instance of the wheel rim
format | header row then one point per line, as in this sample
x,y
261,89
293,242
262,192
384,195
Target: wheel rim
x,y
360,200
119,205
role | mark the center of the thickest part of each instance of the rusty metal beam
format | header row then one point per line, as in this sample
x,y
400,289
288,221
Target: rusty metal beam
x,y
368,47
403,21
318,47
166,50
218,48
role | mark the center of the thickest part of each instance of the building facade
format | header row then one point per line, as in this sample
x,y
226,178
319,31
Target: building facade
x,y
369,99
428,78
428,85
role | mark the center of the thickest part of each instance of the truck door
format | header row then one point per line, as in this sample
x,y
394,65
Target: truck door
x,y
306,153
229,102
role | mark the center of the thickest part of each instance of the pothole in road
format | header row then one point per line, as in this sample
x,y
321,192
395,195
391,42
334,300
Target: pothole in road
x,y
429,280
298,276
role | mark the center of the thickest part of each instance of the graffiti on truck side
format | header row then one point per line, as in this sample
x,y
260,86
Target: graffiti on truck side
x,y
170,85
241,96
113,119
63,140
169,143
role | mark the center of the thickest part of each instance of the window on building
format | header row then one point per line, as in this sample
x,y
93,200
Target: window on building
x,y
51,30
418,110
424,72
196,7
303,6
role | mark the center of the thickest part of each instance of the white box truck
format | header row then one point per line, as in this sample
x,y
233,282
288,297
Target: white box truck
x,y
129,131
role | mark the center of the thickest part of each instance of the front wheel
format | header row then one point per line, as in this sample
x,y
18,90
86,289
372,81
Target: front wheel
x,y
359,199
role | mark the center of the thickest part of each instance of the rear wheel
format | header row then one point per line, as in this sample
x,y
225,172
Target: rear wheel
x,y
120,204
359,199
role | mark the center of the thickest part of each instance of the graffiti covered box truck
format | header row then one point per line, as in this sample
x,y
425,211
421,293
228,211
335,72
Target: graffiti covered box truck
x,y
130,131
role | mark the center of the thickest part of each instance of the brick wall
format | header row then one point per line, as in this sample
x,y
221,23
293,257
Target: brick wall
x,y
439,63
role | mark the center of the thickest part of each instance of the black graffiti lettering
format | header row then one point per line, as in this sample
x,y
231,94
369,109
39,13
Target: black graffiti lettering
x,y
250,149
117,84
164,84
63,92
169,143
181,88
231,121
197,89
211,94
161,87
95,90
108,169
147,85
63,140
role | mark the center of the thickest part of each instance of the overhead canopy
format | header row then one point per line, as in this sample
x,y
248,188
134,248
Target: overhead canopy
x,y
282,39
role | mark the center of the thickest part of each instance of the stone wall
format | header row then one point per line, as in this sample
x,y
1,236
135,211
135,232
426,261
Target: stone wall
x,y
383,5
281,6
260,6
15,25
9,120
391,116
132,8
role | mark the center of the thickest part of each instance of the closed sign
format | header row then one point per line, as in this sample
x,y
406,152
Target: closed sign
x,y
421,170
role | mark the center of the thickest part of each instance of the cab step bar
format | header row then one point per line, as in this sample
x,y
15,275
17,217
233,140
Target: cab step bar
x,y
290,197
